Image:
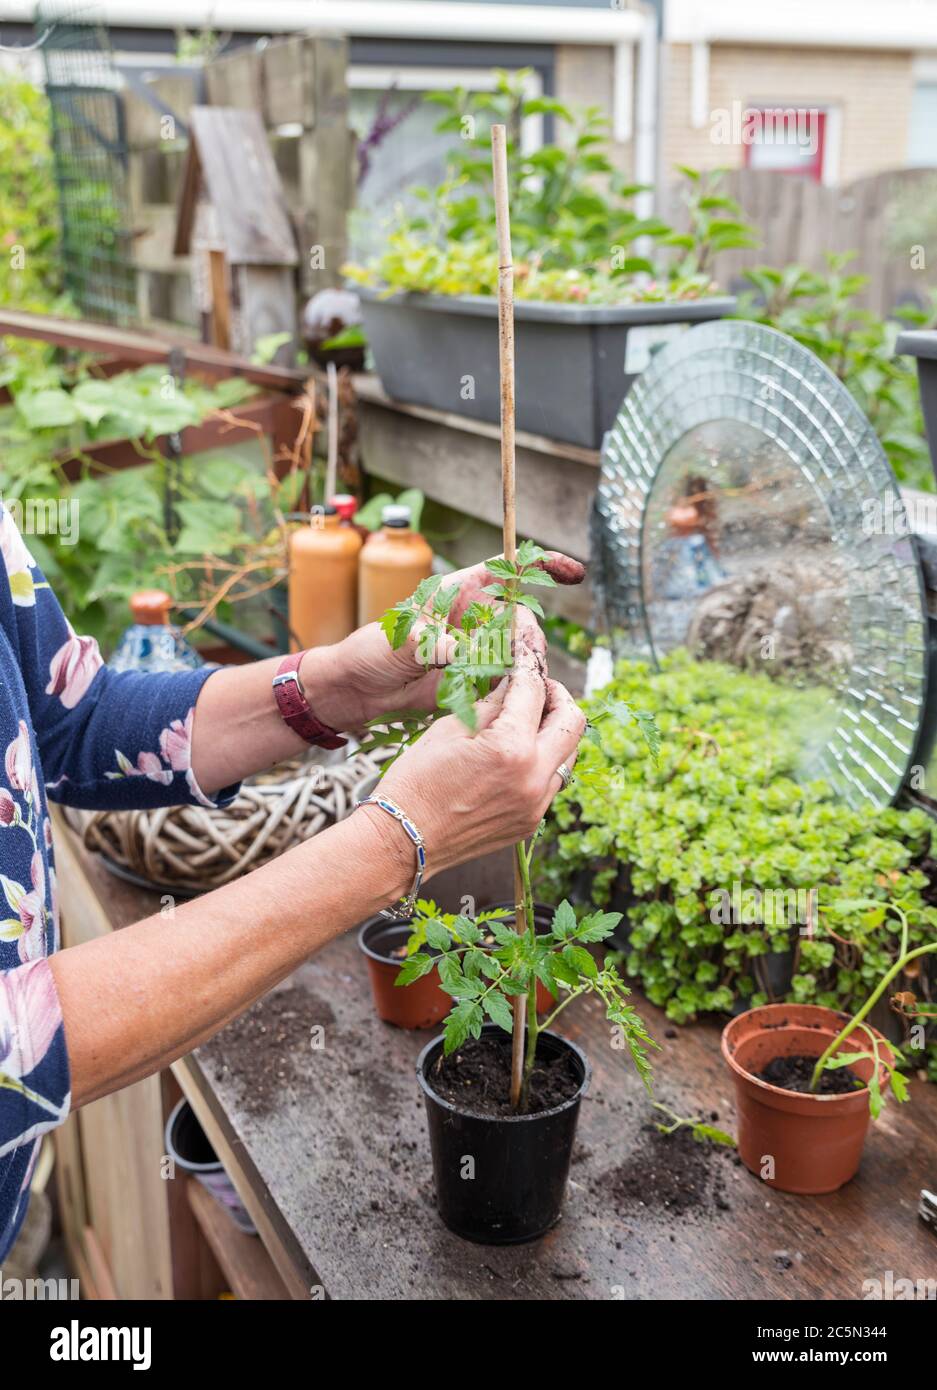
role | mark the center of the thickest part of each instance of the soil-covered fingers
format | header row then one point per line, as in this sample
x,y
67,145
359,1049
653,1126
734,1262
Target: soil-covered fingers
x,y
522,704
563,568
561,729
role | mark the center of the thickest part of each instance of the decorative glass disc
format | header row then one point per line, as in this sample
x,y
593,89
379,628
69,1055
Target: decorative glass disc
x,y
746,511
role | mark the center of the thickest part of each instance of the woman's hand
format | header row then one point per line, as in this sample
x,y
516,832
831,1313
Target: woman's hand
x,y
362,677
471,793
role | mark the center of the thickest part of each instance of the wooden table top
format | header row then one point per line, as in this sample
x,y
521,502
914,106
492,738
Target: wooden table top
x,y
333,1140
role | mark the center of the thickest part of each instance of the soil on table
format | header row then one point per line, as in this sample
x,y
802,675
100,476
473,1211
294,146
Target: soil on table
x,y
795,1073
477,1078
261,1048
670,1175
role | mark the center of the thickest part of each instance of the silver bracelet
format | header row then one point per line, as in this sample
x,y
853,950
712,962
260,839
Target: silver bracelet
x,y
406,907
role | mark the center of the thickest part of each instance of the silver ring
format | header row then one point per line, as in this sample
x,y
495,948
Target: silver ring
x,y
564,774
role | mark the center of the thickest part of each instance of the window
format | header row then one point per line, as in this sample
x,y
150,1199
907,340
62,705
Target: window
x,y
922,147
787,140
411,152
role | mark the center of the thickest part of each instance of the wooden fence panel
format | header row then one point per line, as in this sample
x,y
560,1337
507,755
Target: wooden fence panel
x,y
298,82
888,219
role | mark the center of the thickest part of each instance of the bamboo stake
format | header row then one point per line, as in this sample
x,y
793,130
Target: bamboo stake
x,y
331,469
499,165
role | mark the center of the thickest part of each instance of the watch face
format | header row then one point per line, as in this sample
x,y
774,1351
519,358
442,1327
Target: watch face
x,y
746,514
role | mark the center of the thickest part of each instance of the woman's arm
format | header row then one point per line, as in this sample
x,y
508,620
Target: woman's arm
x,y
134,1001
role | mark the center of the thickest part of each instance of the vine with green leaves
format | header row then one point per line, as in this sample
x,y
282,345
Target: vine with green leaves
x,y
484,978
904,1003
224,541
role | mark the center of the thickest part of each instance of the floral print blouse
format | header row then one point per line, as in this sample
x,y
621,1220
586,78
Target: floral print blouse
x,y
76,732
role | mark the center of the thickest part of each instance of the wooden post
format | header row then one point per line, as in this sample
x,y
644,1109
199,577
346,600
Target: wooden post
x,y
499,163
220,300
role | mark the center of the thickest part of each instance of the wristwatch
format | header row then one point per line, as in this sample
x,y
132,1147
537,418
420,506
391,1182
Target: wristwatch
x,y
295,709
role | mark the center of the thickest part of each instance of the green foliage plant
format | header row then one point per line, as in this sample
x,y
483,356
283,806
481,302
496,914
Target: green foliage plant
x,y
30,276
577,237
723,806
822,311
483,979
226,514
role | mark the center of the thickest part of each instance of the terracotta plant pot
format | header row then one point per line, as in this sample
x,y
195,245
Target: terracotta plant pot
x,y
815,1141
543,916
420,1005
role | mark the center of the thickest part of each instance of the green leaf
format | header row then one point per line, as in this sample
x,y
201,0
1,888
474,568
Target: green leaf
x,y
564,921
424,591
504,569
466,930
453,980
51,409
414,968
598,926
899,1085
529,553
715,1136
503,932
443,600
465,1020
565,973
396,624
457,694
268,345
530,602
846,1059
437,935
499,1010
579,959
539,578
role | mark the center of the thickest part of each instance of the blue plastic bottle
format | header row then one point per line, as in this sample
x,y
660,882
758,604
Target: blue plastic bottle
x,y
152,643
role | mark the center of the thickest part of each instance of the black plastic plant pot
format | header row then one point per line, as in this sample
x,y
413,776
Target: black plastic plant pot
x,y
501,1180
189,1148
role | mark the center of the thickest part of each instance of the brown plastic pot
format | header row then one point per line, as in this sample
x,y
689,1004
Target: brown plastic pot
x,y
815,1141
420,1005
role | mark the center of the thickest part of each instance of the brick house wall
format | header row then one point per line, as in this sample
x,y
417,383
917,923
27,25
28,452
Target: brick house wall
x,y
870,90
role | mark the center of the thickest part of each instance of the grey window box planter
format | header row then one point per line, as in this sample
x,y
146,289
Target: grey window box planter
x,y
922,344
574,362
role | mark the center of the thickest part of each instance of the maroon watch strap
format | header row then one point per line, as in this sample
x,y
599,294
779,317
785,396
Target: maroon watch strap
x,y
295,709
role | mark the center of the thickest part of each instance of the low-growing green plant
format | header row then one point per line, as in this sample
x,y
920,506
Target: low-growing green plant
x,y
484,979
906,1004
821,311
722,815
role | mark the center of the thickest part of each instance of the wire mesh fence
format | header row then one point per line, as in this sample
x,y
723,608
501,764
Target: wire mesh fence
x,y
91,161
